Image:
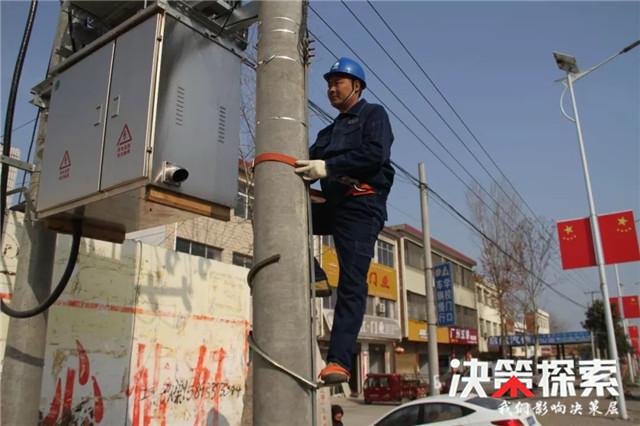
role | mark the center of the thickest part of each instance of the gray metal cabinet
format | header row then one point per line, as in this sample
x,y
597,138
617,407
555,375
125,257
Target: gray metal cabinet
x,y
73,149
158,94
129,111
198,122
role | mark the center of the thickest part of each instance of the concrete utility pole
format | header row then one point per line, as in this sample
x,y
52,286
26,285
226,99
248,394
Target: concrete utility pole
x,y
26,338
432,328
281,291
625,322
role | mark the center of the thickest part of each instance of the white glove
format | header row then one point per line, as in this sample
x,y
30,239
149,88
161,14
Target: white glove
x,y
311,169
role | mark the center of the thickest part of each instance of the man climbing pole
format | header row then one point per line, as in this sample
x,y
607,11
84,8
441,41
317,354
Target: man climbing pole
x,y
351,157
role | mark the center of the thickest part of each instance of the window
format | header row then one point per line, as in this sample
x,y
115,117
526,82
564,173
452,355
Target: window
x,y
242,260
413,255
465,277
198,249
407,416
455,273
416,305
370,302
244,201
385,253
389,308
377,382
433,413
466,317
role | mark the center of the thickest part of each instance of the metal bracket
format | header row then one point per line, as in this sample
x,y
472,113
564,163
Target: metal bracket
x,y
241,17
18,164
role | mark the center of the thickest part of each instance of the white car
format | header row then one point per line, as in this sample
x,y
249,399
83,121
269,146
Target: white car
x,y
454,411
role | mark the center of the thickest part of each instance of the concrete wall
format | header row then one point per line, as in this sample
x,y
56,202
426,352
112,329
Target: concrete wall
x,y
143,335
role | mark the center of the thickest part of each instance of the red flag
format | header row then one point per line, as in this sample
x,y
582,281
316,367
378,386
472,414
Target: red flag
x,y
630,306
576,243
619,239
633,331
636,344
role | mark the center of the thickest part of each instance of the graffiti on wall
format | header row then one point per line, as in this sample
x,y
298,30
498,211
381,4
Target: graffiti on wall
x,y
90,409
151,397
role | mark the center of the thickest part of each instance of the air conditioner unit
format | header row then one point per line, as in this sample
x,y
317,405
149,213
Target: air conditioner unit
x,y
381,308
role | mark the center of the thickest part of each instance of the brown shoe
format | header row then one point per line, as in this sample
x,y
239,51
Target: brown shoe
x,y
322,288
333,374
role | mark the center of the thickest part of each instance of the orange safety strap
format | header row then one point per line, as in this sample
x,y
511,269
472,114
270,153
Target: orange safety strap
x,y
360,189
274,156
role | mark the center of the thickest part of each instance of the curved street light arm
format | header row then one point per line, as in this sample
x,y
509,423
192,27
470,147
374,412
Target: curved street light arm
x,y
567,116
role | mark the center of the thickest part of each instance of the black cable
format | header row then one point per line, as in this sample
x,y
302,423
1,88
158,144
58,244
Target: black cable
x,y
258,266
62,284
11,104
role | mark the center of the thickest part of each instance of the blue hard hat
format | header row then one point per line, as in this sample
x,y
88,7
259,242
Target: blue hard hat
x,y
348,67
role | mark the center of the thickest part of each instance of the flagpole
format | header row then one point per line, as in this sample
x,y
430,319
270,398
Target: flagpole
x,y
611,338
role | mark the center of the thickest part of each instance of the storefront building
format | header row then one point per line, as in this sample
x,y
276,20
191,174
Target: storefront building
x,y
453,340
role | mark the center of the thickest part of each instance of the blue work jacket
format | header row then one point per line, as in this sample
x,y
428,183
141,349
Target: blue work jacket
x,y
358,145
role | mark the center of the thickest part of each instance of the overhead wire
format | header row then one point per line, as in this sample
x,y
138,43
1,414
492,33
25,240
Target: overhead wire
x,y
323,115
462,121
459,214
480,186
412,180
418,120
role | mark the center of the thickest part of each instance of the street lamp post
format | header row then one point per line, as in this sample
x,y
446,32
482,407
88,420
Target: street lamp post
x,y
569,64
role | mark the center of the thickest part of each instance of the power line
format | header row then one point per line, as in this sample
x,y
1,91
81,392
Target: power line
x,y
422,95
418,138
316,108
452,210
442,95
485,236
20,127
420,122
497,204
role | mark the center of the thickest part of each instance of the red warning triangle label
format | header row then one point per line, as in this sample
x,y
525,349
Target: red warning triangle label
x,y
125,136
66,161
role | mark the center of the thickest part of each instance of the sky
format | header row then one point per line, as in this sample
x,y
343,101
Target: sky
x,y
493,62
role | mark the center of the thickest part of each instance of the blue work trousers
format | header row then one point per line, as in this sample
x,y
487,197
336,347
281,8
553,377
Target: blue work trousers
x,y
354,224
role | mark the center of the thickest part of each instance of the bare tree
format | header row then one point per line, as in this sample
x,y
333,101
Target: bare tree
x,y
496,214
531,247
